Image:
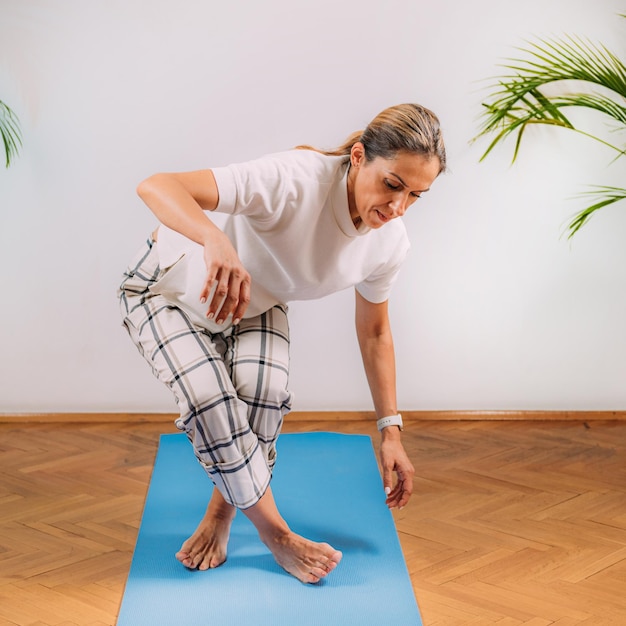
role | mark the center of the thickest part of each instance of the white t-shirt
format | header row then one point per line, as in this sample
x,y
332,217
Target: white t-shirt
x,y
290,223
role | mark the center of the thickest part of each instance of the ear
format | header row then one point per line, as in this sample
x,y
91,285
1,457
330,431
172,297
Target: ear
x,y
357,154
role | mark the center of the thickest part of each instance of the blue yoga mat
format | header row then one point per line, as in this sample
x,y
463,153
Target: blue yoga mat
x,y
328,488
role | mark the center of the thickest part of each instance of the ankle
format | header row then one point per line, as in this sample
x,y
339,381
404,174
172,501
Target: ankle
x,y
275,537
221,510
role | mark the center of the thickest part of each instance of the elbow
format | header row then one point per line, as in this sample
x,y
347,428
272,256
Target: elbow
x,y
147,186
377,335
141,188
153,186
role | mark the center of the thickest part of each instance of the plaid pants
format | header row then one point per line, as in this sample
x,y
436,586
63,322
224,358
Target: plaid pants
x,y
230,387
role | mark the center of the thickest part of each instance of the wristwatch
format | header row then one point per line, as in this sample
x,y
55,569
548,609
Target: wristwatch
x,y
390,420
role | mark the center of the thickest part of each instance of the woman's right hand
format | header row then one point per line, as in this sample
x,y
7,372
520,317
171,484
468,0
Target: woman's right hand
x,y
225,270
180,201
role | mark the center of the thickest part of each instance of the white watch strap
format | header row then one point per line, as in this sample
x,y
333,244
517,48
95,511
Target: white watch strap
x,y
390,420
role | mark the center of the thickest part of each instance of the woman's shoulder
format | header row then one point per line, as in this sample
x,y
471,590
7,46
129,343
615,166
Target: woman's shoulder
x,y
301,163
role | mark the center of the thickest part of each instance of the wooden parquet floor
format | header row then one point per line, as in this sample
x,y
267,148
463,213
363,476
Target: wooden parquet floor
x,y
511,522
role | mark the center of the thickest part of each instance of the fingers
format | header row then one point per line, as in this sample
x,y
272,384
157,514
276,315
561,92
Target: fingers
x,y
398,496
231,294
394,460
388,480
395,496
242,304
226,278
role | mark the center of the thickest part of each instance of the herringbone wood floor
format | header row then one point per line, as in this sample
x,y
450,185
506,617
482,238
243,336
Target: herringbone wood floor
x,y
511,522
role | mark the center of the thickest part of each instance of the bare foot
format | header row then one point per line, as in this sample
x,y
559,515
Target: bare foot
x,y
307,560
206,548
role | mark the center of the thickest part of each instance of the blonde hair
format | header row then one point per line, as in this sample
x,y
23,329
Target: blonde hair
x,y
401,128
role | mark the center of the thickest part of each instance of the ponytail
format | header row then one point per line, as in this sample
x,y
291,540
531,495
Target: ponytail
x,y
343,150
401,128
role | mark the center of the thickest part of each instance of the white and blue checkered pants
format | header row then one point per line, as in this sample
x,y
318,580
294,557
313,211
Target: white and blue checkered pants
x,y
230,387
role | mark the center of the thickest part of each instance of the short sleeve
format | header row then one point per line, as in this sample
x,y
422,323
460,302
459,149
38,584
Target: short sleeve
x,y
377,286
262,188
227,191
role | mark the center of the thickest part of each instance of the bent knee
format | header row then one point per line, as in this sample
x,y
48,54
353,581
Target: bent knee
x,y
273,395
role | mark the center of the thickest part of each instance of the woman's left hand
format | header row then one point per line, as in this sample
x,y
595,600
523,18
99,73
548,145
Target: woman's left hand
x,y
393,458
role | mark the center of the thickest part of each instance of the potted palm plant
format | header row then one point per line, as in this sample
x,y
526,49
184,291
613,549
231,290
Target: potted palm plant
x,y
10,132
537,89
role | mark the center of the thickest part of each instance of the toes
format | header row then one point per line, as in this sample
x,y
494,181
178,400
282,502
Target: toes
x,y
211,562
326,565
202,560
329,562
190,562
330,566
318,573
322,567
185,558
311,578
188,559
217,561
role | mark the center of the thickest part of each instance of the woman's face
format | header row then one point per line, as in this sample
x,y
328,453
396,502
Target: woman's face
x,y
383,189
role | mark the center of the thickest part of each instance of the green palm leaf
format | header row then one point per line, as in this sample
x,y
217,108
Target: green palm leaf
x,y
10,131
520,98
600,103
572,58
604,197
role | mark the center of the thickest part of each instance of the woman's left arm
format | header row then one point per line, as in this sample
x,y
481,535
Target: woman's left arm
x,y
376,343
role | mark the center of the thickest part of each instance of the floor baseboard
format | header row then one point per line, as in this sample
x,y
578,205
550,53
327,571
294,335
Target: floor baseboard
x,y
304,416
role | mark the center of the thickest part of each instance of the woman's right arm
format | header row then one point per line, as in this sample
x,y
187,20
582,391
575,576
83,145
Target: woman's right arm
x,y
179,201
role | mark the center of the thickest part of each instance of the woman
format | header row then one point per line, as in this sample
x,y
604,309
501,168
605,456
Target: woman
x,y
207,307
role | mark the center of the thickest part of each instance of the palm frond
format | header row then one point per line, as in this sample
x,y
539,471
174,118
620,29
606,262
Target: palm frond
x,y
600,103
571,58
536,109
604,196
518,98
10,132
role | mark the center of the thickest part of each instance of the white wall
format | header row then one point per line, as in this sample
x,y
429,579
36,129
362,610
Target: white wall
x,y
494,310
